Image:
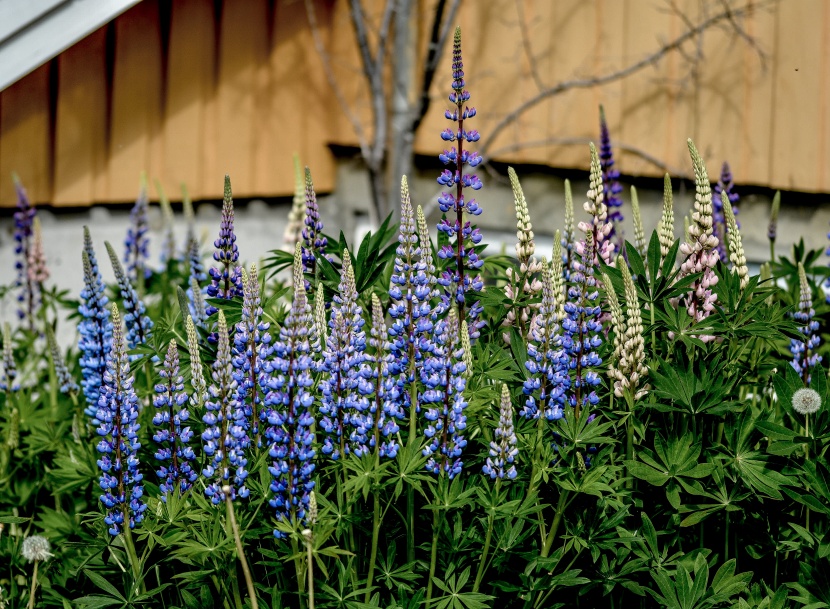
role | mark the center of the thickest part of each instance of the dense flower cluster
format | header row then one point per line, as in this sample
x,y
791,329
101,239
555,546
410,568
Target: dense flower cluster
x,y
503,450
665,230
293,233
24,216
226,278
736,247
66,381
628,370
8,382
139,324
382,411
117,424
94,329
611,187
725,185
461,276
805,350
313,242
599,227
174,450
137,243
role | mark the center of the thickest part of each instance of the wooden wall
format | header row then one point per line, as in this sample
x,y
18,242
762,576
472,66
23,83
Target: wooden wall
x,y
188,93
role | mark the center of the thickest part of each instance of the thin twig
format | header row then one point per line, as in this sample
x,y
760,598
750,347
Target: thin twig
x,y
586,83
525,36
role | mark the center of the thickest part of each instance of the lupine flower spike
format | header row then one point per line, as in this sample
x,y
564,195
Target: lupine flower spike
x,y
314,243
503,450
805,350
136,245
665,230
443,398
24,216
171,436
197,375
559,274
569,233
320,323
427,259
631,369
720,224
289,402
772,229
168,223
701,249
599,227
524,283
343,402
38,271
461,277
410,290
581,330
117,421
95,328
384,413
294,227
66,382
226,278
736,247
139,325
546,361
196,306
639,232
251,350
611,186
9,379
224,439
617,325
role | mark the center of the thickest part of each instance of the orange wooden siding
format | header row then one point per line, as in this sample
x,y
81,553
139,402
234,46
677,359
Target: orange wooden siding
x,y
240,90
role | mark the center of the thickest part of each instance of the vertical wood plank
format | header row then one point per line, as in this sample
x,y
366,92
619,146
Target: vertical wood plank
x,y
136,101
81,121
25,139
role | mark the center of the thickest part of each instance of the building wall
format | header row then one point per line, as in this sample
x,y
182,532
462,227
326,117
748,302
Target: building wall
x,y
188,93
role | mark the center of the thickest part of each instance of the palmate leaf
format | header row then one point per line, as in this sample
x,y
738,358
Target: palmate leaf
x,y
694,388
685,590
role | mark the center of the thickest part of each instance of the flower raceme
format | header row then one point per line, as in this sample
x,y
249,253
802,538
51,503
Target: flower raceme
x,y
225,279
805,350
138,323
137,243
503,450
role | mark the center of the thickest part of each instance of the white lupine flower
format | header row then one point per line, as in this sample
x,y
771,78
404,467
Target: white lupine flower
x,y
639,232
736,247
665,230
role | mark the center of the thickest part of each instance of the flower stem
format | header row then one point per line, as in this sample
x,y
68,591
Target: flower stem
x,y
374,552
131,553
34,586
554,527
433,555
487,539
310,570
240,551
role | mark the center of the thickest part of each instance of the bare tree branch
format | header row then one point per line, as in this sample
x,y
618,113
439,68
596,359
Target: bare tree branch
x,y
534,71
586,83
332,80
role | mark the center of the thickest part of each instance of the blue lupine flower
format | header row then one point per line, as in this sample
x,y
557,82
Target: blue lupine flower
x,y
117,424
382,411
139,324
290,422
610,179
9,380
503,450
250,352
442,375
582,328
24,216
462,276
344,387
547,362
197,277
226,279
410,290
95,329
136,245
805,351
725,184
225,438
174,452
313,242
66,381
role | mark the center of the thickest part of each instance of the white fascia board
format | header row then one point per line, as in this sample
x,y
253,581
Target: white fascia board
x,y
35,31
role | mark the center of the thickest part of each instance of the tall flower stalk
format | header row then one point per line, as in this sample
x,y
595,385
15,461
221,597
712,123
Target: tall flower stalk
x,y
772,229
599,227
139,324
313,242
665,230
29,296
137,243
725,186
805,350
293,233
637,219
226,278
568,231
736,247
611,187
461,277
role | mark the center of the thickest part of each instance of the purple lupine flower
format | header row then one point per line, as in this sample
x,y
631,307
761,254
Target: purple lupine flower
x,y
139,325
410,291
503,450
24,216
117,424
198,276
344,389
225,438
582,330
701,250
37,270
461,277
805,351
725,184
443,377
313,242
95,329
174,451
383,412
66,381
547,362
137,243
290,422
226,279
8,382
250,351
611,187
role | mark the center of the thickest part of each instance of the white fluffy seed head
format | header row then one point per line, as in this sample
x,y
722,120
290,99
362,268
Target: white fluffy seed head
x,y
36,548
806,401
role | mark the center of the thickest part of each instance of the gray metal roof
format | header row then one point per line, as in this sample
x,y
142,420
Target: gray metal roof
x,y
34,31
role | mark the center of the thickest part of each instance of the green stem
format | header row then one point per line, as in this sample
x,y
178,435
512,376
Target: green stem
x,y
433,555
554,527
308,538
131,553
410,491
34,586
483,559
537,459
629,437
237,597
374,552
772,250
298,568
246,571
726,536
